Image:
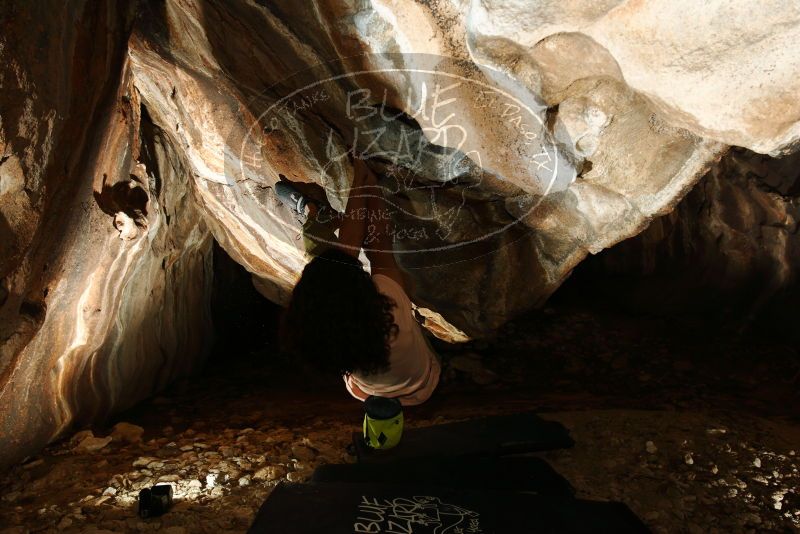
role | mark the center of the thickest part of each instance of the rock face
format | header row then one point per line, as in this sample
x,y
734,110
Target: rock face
x,y
633,165
513,139
106,263
724,70
731,242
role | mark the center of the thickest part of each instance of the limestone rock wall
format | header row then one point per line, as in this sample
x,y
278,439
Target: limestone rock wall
x,y
133,132
732,242
106,265
724,70
619,162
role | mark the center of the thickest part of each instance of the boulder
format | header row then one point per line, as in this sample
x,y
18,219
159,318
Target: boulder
x,y
127,433
92,444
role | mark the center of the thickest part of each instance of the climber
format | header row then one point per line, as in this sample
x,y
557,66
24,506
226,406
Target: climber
x,y
341,319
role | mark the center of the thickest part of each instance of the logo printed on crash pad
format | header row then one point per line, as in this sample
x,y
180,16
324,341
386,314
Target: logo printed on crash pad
x,y
417,515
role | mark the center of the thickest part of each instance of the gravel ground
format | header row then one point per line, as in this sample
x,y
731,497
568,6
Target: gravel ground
x,y
692,435
679,471
686,472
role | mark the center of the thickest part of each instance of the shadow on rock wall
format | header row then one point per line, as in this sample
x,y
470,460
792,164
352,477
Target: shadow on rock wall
x,y
729,251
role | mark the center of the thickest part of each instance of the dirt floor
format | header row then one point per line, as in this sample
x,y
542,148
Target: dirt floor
x,y
695,434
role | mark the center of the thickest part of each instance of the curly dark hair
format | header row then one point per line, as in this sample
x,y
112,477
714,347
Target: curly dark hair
x,y
337,321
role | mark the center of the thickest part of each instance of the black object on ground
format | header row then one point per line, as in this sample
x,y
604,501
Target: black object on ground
x,y
487,473
499,435
334,508
155,501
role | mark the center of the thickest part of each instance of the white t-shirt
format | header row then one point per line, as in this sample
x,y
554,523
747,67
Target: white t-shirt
x,y
413,367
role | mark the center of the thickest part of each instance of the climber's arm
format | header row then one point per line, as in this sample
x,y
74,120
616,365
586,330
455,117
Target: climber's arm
x,y
354,222
379,246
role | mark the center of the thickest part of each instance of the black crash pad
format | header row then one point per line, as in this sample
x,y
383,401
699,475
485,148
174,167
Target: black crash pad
x,y
489,473
505,434
372,508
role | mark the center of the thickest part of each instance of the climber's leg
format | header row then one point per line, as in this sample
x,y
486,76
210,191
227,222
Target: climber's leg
x,y
318,233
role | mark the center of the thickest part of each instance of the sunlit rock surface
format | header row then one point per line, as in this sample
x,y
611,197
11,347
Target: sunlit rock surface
x,y
133,133
618,162
725,70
